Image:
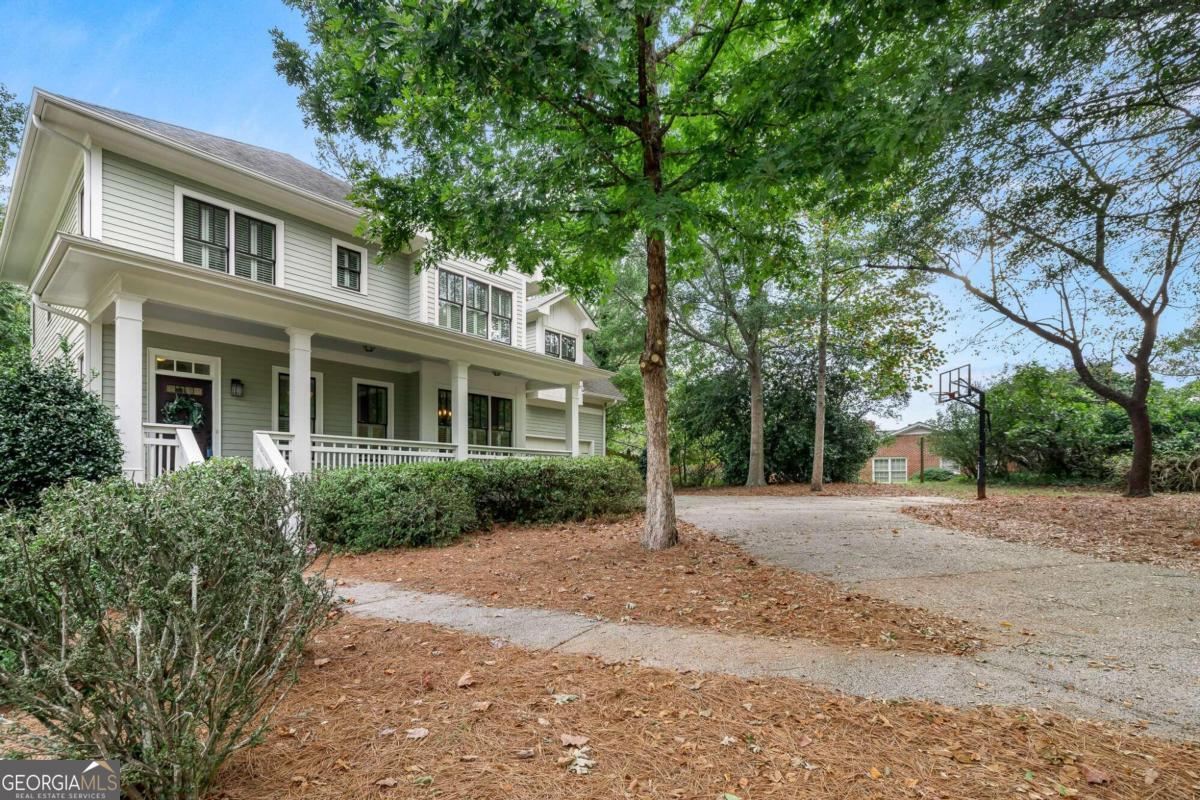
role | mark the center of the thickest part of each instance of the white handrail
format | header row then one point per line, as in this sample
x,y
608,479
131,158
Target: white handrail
x,y
168,448
267,454
496,451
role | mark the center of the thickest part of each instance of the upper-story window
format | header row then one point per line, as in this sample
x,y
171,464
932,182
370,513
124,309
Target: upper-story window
x,y
255,249
205,235
560,345
486,309
206,240
348,267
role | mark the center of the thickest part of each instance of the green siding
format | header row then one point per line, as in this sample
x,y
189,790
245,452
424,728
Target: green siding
x,y
139,213
242,416
546,422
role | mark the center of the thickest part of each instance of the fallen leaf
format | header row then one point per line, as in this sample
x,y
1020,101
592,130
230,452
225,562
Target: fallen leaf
x,y
804,741
387,731
387,783
482,705
875,773
1092,774
465,680
320,662
563,699
524,754
416,733
572,740
1150,776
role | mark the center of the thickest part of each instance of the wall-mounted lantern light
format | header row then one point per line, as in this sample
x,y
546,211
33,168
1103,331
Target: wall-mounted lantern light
x,y
236,387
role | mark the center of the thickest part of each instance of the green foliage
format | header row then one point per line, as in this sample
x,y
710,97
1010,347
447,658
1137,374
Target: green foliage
x,y
1171,472
368,508
1046,422
411,505
14,320
937,474
717,406
156,624
52,429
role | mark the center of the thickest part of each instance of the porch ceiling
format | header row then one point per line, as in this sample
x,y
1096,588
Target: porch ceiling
x,y
85,273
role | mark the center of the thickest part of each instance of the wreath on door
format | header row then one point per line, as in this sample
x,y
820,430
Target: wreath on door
x,y
183,410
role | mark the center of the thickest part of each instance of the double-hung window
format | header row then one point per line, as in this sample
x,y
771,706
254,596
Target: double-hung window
x,y
477,419
477,308
254,248
349,268
450,300
502,422
205,235
501,330
553,343
568,348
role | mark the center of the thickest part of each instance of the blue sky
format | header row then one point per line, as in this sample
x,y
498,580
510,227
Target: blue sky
x,y
208,65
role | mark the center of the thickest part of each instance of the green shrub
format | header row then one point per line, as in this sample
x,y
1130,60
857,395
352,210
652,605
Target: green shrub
x,y
155,624
52,429
368,508
1169,472
937,474
556,489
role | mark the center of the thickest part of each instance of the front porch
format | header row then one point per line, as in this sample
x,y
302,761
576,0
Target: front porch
x,y
365,405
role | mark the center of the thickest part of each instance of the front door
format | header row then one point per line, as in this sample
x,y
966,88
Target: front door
x,y
176,397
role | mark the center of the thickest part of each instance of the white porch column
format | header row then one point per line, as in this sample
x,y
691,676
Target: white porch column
x,y
129,384
520,417
95,359
299,402
458,406
571,412
427,401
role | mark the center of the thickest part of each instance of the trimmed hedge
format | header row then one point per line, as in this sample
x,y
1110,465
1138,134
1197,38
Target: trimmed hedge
x,y
938,474
413,505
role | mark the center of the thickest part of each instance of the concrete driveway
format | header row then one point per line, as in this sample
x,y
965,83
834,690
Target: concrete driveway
x,y
1124,639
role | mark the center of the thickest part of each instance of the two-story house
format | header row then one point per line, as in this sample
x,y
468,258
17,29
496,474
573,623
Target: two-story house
x,y
214,293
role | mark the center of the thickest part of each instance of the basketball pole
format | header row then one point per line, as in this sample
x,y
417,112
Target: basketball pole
x,y
981,469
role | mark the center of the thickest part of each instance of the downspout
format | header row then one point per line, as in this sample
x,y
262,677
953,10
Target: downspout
x,y
35,297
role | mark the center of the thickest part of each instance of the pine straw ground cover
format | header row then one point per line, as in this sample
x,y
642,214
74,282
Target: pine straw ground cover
x,y
412,711
599,568
1163,530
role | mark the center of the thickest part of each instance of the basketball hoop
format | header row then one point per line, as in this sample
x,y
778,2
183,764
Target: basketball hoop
x,y
955,386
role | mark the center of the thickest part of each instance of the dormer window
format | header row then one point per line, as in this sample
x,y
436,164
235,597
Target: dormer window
x,y
205,235
560,345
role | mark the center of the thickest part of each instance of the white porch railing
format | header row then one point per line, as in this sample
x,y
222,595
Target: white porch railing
x,y
169,448
272,450
335,452
486,452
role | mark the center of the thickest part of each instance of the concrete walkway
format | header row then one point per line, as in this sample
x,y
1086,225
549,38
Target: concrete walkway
x,y
1116,641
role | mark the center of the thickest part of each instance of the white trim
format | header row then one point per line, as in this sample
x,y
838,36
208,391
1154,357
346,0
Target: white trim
x,y
888,469
276,371
391,408
334,244
273,345
151,405
230,227
95,194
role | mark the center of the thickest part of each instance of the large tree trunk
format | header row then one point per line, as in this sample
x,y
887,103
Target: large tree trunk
x,y
660,531
1138,480
756,474
818,467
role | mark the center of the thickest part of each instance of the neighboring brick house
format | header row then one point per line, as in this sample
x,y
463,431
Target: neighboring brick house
x,y
900,459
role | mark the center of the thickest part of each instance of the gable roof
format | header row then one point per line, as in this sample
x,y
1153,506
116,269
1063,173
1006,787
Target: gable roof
x,y
913,429
272,164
